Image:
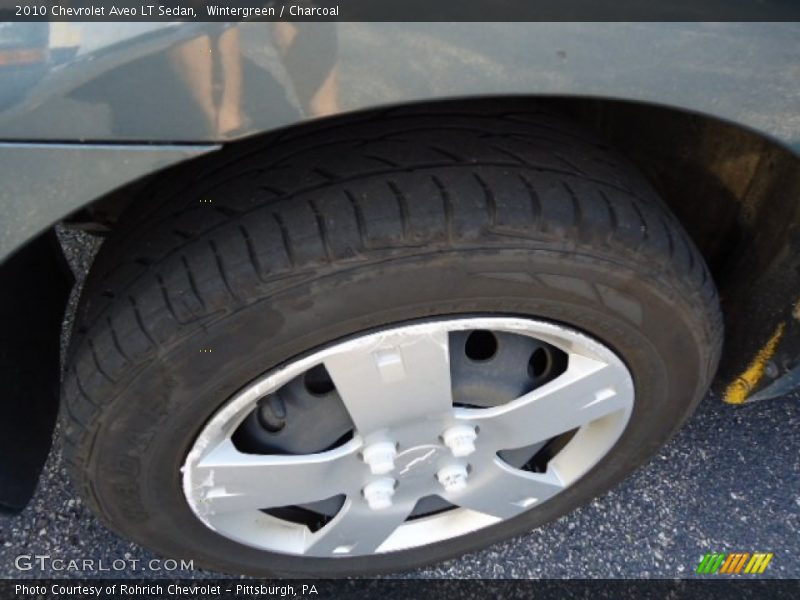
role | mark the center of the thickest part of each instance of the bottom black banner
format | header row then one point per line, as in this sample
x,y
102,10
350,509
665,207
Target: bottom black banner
x,y
389,589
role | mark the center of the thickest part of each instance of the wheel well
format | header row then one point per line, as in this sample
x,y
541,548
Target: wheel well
x,y
736,192
733,189
725,183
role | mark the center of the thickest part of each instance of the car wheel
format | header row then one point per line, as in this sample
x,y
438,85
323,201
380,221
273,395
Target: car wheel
x,y
382,344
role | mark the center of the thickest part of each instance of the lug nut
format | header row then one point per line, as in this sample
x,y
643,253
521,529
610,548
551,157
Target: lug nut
x,y
378,493
453,477
380,457
460,439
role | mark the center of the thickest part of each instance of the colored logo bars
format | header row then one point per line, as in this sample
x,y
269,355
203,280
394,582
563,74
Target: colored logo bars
x,y
734,563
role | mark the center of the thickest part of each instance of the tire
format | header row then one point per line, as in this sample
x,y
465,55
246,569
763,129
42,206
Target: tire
x,y
353,227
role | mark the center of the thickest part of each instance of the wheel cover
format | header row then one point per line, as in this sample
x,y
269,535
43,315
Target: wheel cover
x,y
409,443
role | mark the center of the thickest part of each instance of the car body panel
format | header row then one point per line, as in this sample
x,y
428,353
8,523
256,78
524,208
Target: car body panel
x,y
128,81
42,183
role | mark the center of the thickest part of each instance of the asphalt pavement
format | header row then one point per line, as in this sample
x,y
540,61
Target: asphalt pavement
x,y
729,481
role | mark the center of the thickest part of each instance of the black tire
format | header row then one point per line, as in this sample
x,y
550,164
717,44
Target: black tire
x,y
357,226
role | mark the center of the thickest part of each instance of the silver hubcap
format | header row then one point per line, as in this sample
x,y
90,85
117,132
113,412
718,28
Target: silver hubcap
x,y
409,443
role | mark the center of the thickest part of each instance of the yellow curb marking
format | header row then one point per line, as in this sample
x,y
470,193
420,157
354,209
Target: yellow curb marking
x,y
738,391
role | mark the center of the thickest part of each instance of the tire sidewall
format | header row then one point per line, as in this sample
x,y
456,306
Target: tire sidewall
x,y
153,422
